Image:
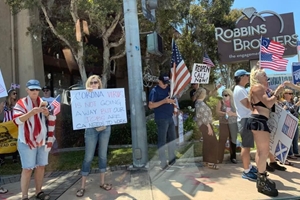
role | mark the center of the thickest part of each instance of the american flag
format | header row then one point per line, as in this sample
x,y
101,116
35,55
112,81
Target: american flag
x,y
180,74
56,104
298,45
270,61
207,60
270,46
289,126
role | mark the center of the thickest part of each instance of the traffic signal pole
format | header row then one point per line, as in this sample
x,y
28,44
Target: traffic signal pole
x,y
134,68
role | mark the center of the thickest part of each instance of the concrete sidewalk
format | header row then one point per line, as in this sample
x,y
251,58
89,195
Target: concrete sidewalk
x,y
186,180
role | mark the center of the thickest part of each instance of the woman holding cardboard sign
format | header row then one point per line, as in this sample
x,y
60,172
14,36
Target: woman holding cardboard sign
x,y
93,136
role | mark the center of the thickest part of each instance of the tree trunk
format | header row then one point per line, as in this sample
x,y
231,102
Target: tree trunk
x,y
80,62
106,63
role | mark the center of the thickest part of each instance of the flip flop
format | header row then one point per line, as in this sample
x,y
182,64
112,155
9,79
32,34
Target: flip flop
x,y
80,192
287,162
106,186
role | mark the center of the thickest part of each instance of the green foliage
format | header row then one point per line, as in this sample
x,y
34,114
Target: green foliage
x,y
212,103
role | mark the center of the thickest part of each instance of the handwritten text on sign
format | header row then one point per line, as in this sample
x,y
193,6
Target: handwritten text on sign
x,y
200,73
98,108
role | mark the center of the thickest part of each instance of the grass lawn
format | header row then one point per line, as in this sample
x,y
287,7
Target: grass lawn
x,y
73,160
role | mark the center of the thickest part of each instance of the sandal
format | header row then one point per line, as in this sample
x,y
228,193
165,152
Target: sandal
x,y
80,192
212,166
42,196
292,157
106,186
287,162
3,191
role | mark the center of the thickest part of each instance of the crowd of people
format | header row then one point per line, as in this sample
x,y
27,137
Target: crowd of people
x,y
239,112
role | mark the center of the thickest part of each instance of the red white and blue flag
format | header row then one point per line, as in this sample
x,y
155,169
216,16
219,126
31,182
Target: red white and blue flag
x,y
289,126
56,105
298,45
270,46
270,61
180,75
271,55
207,60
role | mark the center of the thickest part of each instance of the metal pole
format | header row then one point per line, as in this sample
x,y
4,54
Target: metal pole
x,y
134,67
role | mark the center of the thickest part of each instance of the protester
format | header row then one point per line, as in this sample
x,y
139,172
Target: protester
x,y
195,86
163,106
30,114
289,105
257,123
7,107
227,125
47,97
204,121
93,136
240,97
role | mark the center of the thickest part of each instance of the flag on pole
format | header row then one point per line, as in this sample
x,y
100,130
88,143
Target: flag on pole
x,y
56,104
272,47
298,45
180,75
271,61
207,60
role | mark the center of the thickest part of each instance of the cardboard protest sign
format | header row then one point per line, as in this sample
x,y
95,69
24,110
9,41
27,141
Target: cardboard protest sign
x,y
200,73
98,108
3,91
283,126
8,137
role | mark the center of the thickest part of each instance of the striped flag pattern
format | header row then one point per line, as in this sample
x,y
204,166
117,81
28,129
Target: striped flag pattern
x,y
289,126
272,47
50,134
56,104
207,60
180,75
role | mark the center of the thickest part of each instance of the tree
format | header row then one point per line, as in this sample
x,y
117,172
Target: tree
x,y
72,21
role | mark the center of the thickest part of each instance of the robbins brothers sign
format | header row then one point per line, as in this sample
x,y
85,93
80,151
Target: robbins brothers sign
x,y
243,42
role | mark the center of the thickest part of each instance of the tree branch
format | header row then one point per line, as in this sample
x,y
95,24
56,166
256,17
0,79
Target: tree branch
x,y
112,27
121,41
73,11
119,55
62,38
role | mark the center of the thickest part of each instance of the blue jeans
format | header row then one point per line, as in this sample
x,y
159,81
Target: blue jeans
x,y
166,135
294,147
92,137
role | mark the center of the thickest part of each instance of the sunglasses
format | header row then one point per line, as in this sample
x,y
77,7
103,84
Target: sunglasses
x,y
34,90
94,82
225,95
45,90
14,93
289,93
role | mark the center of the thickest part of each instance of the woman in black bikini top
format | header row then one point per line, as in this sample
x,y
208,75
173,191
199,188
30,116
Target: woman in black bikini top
x,y
257,123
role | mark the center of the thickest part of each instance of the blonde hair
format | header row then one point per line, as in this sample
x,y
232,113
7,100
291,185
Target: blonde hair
x,y
228,91
87,83
255,73
200,93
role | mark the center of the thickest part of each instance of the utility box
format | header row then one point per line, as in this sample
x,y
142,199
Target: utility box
x,y
154,44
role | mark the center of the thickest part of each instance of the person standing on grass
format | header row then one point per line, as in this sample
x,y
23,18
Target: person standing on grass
x,y
30,114
242,105
92,136
163,106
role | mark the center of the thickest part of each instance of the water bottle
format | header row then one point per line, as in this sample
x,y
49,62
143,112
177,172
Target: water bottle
x,y
226,116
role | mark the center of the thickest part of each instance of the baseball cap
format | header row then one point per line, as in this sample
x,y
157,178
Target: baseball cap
x,y
33,84
164,78
241,72
46,87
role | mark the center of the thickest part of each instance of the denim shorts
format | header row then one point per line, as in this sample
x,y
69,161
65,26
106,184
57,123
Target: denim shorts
x,y
32,158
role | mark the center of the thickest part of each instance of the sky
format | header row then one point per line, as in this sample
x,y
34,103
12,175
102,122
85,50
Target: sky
x,y
279,7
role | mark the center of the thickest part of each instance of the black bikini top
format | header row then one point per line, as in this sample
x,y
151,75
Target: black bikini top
x,y
259,104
